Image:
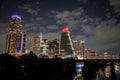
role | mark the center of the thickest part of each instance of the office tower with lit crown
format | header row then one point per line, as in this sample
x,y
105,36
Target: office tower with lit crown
x,y
15,42
66,43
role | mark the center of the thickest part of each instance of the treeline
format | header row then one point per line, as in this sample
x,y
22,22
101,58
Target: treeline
x,y
30,67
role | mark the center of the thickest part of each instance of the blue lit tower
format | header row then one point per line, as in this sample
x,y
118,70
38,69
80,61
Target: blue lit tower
x,y
15,42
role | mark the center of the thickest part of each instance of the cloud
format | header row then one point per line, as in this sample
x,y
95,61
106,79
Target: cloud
x,y
98,34
74,18
69,14
69,18
36,19
53,27
103,36
29,40
116,5
3,33
30,8
2,43
35,25
52,36
84,1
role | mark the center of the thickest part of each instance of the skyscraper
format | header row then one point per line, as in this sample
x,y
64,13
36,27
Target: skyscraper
x,y
44,47
66,43
37,42
54,46
82,48
40,46
15,42
76,46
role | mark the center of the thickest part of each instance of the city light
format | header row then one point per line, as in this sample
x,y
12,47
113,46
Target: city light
x,y
65,29
16,16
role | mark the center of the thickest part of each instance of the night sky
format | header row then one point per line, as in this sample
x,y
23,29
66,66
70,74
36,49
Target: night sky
x,y
97,22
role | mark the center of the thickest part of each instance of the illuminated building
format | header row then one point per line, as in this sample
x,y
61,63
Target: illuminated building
x,y
40,46
87,53
82,48
37,40
92,55
107,56
54,46
15,42
44,49
76,46
66,43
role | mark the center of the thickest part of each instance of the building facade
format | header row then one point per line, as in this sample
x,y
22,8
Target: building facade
x,y
82,48
37,40
40,46
76,46
66,44
54,46
44,49
16,38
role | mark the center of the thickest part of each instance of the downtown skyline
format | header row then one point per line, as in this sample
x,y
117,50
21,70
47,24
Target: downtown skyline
x,y
95,22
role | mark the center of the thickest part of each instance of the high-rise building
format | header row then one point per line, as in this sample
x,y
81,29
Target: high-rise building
x,y
40,46
66,43
44,49
54,46
76,46
82,48
107,56
15,42
37,40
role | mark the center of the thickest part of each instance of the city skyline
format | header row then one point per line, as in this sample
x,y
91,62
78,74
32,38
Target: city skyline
x,y
95,22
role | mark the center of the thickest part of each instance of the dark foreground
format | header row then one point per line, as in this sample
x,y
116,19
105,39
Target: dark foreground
x,y
29,67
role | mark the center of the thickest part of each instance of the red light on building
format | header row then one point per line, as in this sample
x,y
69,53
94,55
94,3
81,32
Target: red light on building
x,y
65,30
18,56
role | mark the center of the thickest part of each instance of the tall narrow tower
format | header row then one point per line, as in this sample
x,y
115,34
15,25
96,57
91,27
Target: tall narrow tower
x,y
36,45
82,48
15,42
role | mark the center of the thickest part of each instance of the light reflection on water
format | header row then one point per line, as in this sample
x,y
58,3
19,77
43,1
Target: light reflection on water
x,y
98,76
